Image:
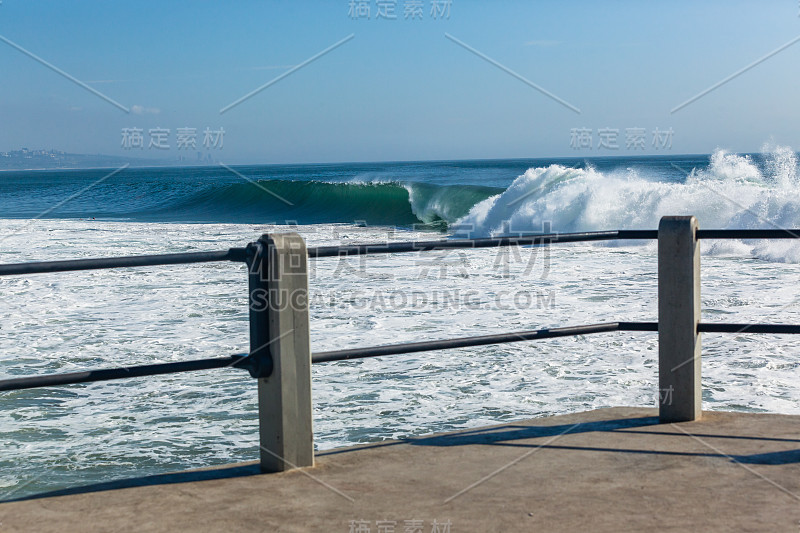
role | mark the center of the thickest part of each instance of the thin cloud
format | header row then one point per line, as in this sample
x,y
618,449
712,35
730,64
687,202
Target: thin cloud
x,y
141,110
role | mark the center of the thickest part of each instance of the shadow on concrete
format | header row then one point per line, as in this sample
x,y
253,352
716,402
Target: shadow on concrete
x,y
773,458
158,479
507,435
519,432
509,432
716,436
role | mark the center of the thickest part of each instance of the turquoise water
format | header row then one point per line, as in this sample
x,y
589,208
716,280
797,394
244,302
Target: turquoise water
x,y
399,194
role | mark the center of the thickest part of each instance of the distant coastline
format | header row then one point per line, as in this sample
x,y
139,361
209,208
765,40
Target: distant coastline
x,y
36,160
25,159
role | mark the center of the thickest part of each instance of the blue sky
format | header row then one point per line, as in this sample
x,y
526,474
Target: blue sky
x,y
399,89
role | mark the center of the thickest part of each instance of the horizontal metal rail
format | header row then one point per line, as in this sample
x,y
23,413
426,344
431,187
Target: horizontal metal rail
x,y
323,357
240,254
748,234
233,254
240,360
89,376
780,329
463,342
489,242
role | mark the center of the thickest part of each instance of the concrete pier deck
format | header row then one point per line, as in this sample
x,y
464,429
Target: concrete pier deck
x,y
605,470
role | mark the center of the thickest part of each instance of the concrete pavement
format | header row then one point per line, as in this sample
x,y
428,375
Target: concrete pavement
x,y
605,470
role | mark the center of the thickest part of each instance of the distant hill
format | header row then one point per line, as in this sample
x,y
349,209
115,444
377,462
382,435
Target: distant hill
x,y
48,159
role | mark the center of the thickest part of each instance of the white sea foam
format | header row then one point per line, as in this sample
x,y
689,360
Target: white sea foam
x,y
100,319
731,193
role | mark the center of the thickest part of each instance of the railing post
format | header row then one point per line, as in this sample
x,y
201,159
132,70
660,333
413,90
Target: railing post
x,y
680,392
280,349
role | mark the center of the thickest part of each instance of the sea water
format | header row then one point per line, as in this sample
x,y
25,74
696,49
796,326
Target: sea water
x,y
52,438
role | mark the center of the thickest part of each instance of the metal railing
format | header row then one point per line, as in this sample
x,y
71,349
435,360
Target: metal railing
x,y
280,357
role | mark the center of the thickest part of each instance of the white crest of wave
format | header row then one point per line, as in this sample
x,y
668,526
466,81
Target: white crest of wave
x,y
731,193
782,165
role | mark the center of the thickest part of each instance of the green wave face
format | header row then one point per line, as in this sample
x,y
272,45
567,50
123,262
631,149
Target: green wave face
x,y
313,202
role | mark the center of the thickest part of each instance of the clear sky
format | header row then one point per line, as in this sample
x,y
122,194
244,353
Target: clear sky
x,y
399,89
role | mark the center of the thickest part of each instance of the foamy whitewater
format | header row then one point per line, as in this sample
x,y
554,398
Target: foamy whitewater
x,y
68,436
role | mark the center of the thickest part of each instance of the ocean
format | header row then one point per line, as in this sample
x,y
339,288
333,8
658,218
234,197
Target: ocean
x,y
75,435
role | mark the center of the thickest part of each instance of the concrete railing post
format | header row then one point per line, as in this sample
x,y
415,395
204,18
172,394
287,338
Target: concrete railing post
x,y
678,315
280,349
